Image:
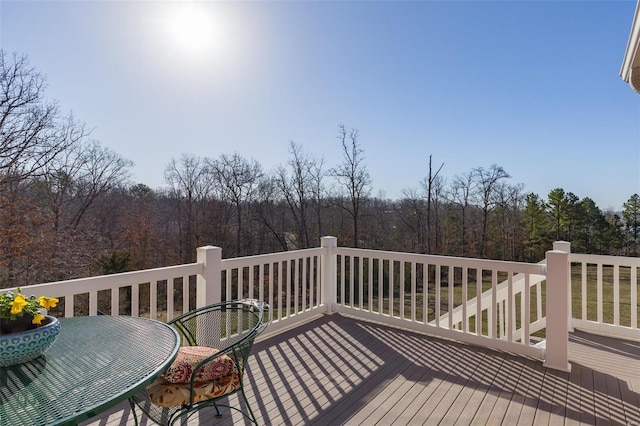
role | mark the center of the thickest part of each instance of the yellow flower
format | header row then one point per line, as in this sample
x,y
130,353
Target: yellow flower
x,y
48,302
18,304
37,319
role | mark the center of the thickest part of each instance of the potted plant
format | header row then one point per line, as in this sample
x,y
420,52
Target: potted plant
x,y
19,312
26,331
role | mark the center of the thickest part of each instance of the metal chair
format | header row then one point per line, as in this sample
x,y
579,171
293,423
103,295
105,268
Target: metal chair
x,y
230,328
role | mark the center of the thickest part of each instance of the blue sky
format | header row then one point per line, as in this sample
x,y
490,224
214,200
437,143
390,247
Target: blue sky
x,y
530,86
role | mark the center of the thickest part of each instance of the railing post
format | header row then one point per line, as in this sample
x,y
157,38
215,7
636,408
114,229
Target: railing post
x,y
557,333
208,286
329,272
566,247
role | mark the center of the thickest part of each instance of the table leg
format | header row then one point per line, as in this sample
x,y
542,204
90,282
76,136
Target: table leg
x,y
133,410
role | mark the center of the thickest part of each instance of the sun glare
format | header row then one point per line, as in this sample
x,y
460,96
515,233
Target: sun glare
x,y
196,35
192,29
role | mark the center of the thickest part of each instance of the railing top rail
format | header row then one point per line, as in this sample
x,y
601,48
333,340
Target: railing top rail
x,y
484,264
270,257
104,282
605,259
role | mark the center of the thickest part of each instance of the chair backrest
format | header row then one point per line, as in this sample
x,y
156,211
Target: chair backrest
x,y
231,327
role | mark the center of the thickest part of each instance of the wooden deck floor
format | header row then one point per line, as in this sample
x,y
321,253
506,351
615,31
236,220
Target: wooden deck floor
x,y
336,370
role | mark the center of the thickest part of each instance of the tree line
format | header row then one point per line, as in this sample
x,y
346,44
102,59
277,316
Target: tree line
x,y
68,207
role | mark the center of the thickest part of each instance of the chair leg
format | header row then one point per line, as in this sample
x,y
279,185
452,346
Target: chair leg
x,y
218,413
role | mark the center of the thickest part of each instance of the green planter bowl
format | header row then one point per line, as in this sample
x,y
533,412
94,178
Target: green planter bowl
x,y
23,346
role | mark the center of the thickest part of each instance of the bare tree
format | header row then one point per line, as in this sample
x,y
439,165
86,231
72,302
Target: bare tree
x,y
78,176
488,185
268,213
430,183
413,213
352,174
191,181
463,188
300,184
509,206
318,191
32,133
438,189
237,180
36,144
140,232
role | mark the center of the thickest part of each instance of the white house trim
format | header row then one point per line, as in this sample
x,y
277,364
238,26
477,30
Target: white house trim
x,y
630,71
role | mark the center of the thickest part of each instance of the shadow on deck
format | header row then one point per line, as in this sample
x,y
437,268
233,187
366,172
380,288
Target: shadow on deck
x,y
337,370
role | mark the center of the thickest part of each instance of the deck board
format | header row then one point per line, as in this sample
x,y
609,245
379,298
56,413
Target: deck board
x,y
433,410
337,370
500,408
459,410
531,389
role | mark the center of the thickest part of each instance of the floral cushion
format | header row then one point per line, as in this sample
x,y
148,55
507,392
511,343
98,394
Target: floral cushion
x,y
189,357
166,394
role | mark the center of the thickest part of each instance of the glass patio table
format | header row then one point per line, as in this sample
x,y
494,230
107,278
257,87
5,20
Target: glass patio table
x,y
95,363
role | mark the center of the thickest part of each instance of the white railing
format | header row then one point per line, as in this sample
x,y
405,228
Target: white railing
x,y
290,282
424,293
516,287
139,292
436,295
604,294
